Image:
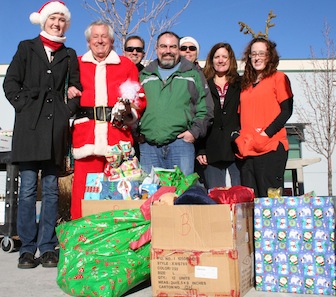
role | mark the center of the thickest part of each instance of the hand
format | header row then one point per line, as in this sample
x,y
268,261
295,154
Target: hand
x,y
187,136
73,92
127,114
202,159
245,144
260,141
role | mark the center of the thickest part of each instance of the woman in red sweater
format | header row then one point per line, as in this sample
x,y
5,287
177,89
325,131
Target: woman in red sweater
x,y
266,103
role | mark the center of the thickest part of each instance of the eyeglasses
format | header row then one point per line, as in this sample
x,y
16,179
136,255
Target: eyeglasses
x,y
130,49
260,54
192,48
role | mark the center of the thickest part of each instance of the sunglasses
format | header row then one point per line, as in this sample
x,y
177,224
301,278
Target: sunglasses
x,y
130,49
192,48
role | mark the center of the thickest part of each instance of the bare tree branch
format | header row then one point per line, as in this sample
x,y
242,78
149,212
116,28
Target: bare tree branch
x,y
127,17
319,105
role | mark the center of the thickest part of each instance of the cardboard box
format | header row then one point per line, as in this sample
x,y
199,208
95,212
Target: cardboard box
x,y
202,250
295,245
96,206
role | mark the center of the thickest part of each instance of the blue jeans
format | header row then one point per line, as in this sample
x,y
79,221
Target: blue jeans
x,y
179,153
215,174
35,236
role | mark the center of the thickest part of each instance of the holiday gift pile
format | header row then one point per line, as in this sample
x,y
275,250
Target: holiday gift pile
x,y
194,249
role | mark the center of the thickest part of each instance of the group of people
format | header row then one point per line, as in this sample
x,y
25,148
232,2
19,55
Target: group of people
x,y
180,112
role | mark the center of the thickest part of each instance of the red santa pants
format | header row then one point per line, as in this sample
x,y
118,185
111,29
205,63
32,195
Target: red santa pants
x,y
91,164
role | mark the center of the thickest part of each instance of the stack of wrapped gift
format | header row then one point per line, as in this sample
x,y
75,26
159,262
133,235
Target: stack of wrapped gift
x,y
121,178
295,245
122,185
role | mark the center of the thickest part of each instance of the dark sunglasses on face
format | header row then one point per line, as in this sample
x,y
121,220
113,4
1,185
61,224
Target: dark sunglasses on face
x,y
130,49
192,48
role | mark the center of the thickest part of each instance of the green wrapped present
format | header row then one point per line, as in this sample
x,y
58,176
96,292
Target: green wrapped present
x,y
175,177
95,254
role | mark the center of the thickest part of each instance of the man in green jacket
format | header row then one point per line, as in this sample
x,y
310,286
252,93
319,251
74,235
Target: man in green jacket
x,y
179,108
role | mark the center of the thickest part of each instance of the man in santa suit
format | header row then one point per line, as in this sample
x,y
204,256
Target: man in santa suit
x,y
108,81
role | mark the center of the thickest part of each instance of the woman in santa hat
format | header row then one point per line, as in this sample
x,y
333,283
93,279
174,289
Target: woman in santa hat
x,y
35,84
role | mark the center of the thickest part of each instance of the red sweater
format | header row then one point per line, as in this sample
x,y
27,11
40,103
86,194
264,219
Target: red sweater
x,y
259,106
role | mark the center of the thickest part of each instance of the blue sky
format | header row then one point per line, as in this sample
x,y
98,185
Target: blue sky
x,y
298,26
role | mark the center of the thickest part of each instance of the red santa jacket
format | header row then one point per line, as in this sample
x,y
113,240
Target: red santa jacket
x,y
101,83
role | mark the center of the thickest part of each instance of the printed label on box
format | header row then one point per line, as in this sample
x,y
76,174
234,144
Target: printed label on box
x,y
206,272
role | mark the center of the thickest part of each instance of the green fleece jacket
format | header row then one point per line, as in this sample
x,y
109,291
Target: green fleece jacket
x,y
180,103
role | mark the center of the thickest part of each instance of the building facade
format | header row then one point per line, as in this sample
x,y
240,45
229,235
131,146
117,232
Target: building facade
x,y
311,173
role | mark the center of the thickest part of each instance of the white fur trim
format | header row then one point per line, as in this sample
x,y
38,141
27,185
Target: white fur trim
x,y
129,90
112,58
100,85
35,18
99,148
100,140
81,120
48,9
83,152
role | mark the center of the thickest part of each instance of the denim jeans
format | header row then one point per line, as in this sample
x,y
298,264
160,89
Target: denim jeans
x,y
178,153
215,174
35,236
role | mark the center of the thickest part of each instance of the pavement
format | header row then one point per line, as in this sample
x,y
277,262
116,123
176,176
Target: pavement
x,y
41,282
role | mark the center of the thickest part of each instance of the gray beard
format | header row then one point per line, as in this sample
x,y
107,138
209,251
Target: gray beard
x,y
167,65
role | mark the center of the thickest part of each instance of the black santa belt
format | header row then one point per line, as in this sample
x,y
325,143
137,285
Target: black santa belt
x,y
97,113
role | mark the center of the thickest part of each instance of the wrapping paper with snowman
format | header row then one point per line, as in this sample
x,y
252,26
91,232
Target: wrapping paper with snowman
x,y
295,245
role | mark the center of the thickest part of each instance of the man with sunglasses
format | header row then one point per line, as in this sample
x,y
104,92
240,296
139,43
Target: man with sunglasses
x,y
189,48
179,108
134,49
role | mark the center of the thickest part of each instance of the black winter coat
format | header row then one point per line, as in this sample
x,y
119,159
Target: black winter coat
x,y
36,88
218,145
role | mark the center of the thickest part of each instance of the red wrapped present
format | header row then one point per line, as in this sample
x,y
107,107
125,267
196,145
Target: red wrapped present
x,y
235,194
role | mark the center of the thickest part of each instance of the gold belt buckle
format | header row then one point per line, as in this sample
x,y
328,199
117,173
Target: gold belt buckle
x,y
95,114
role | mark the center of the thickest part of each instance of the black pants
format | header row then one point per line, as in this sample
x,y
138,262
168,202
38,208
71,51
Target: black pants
x,y
266,171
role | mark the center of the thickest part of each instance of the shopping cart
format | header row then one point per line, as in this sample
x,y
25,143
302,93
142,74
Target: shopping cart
x,y
9,239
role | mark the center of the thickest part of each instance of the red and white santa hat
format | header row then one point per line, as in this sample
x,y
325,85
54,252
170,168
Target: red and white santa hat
x,y
47,9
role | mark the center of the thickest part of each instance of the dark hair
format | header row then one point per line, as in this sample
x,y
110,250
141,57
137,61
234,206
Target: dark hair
x,y
209,70
168,33
134,37
250,75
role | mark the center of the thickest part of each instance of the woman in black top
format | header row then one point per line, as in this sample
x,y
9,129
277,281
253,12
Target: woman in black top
x,y
216,152
35,85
